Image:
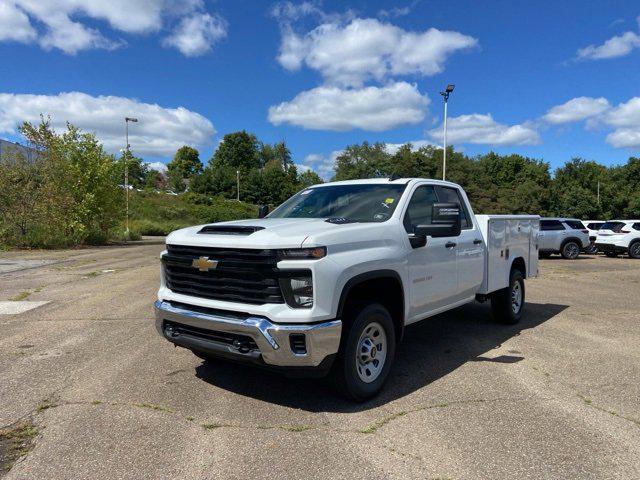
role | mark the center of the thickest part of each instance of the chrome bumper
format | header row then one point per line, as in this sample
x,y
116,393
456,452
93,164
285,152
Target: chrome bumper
x,y
322,339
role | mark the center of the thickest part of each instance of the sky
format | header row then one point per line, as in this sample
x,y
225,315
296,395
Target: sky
x,y
550,80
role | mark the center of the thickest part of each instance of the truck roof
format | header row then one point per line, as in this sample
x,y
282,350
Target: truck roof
x,y
386,180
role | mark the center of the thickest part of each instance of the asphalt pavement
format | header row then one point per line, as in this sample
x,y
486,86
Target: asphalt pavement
x,y
88,390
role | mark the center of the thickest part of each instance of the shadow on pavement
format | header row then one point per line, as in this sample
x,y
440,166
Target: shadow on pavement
x,y
430,350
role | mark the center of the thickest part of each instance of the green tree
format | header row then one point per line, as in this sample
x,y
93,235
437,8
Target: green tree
x,y
183,167
309,178
238,150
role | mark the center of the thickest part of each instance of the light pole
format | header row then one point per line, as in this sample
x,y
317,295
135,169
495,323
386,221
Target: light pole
x,y
238,185
126,166
445,95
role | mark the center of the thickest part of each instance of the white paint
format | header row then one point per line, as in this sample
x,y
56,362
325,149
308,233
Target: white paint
x,y
14,308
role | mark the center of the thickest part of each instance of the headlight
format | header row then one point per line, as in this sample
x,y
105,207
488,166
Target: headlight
x,y
302,253
298,291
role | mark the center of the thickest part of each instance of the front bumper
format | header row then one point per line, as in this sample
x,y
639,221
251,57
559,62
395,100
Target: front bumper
x,y
213,332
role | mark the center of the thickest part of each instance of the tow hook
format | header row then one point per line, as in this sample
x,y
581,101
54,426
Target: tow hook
x,y
242,347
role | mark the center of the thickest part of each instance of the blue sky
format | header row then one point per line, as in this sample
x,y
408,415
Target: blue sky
x,y
550,80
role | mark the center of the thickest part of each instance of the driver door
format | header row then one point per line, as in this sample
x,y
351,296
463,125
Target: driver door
x,y
432,269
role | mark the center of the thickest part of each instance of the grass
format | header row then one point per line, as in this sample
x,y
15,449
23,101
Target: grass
x,y
296,428
20,296
16,442
375,426
159,214
153,406
213,425
46,404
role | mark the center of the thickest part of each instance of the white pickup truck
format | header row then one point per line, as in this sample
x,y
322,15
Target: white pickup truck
x,y
328,281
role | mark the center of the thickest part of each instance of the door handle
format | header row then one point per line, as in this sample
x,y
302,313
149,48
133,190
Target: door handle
x,y
477,241
450,244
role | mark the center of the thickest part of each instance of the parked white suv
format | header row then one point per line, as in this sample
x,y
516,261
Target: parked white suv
x,y
330,279
566,236
619,236
593,226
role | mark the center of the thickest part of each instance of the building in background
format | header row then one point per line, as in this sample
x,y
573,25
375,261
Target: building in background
x,y
11,148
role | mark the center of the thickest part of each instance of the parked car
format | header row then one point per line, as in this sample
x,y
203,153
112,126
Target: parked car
x,y
566,236
593,226
616,237
329,280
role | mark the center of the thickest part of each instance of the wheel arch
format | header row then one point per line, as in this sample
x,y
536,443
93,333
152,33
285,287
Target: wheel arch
x,y
519,264
383,286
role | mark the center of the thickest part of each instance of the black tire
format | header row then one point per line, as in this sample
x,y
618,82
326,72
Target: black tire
x,y
634,250
591,249
502,301
611,254
345,368
544,254
570,250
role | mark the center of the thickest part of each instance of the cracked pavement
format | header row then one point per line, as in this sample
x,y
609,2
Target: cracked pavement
x,y
557,396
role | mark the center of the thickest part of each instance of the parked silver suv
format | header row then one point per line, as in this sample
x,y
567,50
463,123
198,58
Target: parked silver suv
x,y
566,236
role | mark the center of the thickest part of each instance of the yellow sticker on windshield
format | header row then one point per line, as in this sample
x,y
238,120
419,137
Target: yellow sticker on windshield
x,y
389,200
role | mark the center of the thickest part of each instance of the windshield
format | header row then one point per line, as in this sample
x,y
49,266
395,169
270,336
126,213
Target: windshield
x,y
354,203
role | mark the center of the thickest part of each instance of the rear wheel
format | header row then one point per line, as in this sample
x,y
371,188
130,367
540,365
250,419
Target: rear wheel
x,y
507,304
366,353
570,250
634,250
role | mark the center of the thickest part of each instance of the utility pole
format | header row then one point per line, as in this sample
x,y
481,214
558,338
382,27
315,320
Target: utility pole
x,y
598,192
445,95
126,168
238,185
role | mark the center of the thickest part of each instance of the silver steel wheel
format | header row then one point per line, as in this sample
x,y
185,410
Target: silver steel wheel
x,y
516,297
572,250
371,352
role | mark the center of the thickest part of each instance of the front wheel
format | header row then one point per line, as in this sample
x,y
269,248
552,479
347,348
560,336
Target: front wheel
x,y
634,250
507,304
570,250
367,353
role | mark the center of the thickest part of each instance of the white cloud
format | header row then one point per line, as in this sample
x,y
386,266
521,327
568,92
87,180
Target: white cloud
x,y
197,33
60,22
617,46
483,129
349,53
577,109
157,166
160,131
15,24
323,165
392,148
369,108
625,119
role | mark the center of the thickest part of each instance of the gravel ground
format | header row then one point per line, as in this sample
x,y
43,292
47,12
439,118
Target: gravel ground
x,y
557,396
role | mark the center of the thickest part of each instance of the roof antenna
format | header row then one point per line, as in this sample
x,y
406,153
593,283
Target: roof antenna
x,y
394,176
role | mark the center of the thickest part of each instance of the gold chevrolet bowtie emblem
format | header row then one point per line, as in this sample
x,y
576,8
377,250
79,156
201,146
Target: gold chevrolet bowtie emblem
x,y
204,264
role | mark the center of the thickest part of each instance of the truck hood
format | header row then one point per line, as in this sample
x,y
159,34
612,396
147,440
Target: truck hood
x,y
277,233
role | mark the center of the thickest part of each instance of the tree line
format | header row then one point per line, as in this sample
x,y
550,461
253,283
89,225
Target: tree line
x,y
71,192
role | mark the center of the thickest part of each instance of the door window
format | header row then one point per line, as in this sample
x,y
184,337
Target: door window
x,y
575,224
448,194
551,225
419,209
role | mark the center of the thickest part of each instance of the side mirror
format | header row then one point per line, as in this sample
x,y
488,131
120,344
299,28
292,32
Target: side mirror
x,y
263,211
445,221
